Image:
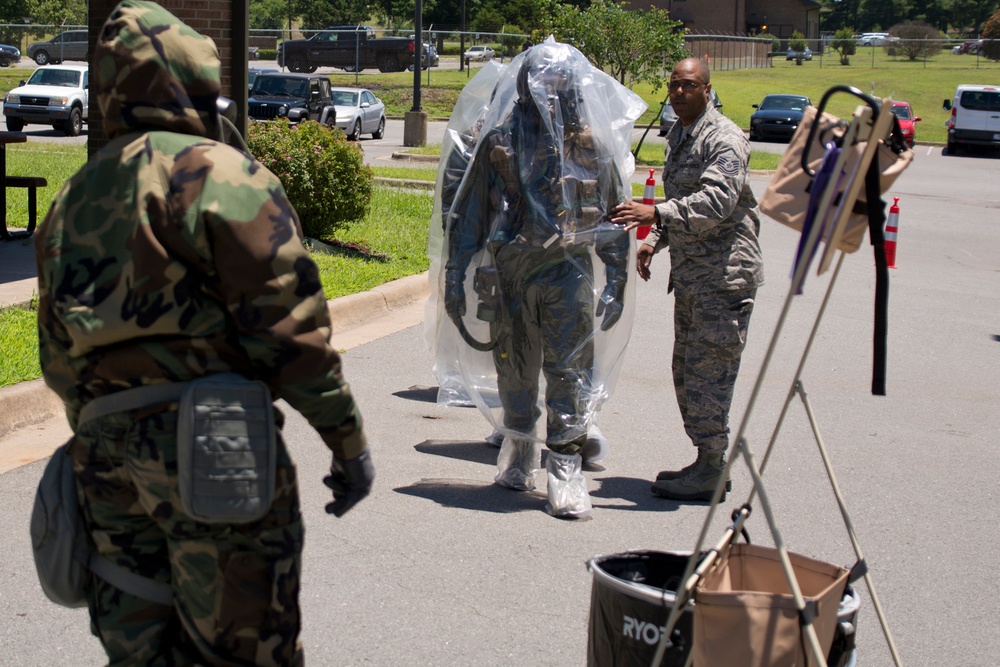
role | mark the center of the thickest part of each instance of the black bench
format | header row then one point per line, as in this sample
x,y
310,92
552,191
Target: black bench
x,y
32,183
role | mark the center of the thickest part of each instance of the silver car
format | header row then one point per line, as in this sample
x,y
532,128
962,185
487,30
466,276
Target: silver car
x,y
359,112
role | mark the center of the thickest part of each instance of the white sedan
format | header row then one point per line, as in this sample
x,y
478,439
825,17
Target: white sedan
x,y
359,112
480,53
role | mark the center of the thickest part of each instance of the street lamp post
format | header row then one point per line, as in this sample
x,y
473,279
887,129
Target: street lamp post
x,y
415,120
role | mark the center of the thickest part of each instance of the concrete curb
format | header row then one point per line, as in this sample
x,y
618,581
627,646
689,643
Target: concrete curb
x,y
29,403
26,404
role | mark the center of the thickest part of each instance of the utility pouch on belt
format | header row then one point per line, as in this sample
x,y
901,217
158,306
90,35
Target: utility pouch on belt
x,y
226,449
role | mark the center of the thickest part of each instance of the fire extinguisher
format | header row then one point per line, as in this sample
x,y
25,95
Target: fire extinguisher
x,y
648,197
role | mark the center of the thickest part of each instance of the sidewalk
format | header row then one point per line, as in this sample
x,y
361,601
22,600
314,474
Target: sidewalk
x,y
31,416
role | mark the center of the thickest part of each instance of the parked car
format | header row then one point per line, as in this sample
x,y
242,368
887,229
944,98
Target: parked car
x,y
777,117
873,38
359,112
52,95
296,97
253,73
9,55
972,46
975,117
791,54
667,116
479,53
69,45
431,58
904,113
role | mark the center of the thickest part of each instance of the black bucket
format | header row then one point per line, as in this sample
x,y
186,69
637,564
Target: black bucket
x,y
629,605
630,602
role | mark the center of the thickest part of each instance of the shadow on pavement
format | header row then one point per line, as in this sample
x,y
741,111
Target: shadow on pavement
x,y
418,393
474,451
478,496
633,490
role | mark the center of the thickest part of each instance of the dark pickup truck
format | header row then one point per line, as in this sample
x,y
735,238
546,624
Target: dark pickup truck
x,y
353,48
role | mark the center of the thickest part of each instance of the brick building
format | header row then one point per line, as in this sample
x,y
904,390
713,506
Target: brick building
x,y
225,21
743,17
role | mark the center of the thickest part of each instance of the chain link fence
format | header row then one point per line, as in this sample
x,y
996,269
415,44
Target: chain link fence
x,y
721,52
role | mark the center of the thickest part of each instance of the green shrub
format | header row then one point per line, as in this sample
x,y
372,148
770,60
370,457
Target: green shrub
x,y
267,54
324,175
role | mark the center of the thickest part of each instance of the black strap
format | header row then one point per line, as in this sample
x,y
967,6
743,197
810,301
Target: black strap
x,y
130,582
130,399
859,570
876,225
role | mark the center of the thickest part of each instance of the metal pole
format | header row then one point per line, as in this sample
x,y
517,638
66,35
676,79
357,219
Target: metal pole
x,y
418,46
461,42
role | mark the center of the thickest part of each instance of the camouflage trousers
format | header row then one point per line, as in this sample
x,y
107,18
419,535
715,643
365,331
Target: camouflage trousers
x,y
710,332
235,587
547,329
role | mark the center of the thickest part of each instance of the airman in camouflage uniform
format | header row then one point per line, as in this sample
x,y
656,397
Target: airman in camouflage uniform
x,y
170,256
710,223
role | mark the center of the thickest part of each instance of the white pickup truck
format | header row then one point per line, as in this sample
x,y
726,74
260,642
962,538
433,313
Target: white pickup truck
x,y
53,95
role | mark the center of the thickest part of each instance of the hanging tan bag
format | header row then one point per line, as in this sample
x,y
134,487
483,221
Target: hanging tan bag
x,y
745,615
786,198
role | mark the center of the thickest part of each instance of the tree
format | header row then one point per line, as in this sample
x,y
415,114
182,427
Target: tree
x,y
844,43
840,14
13,12
991,37
632,46
318,14
798,44
876,13
918,40
969,15
268,14
57,12
775,40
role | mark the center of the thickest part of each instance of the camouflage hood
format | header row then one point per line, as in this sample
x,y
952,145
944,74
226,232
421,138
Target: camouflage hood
x,y
153,72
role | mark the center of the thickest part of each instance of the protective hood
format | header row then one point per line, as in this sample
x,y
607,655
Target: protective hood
x,y
153,72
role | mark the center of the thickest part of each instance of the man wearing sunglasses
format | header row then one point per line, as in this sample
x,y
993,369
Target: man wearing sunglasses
x,y
710,223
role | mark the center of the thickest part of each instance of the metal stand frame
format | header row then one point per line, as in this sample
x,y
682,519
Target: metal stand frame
x,y
867,126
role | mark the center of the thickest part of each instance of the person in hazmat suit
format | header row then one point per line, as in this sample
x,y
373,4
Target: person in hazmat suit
x,y
524,238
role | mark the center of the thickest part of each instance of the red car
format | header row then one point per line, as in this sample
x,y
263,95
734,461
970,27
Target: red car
x,y
907,120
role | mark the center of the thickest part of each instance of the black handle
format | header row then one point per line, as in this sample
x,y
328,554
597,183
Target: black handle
x,y
851,90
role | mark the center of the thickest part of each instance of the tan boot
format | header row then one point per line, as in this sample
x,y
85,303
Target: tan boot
x,y
697,482
675,474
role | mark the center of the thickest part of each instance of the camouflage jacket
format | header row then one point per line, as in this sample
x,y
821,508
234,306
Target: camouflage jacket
x,y
170,255
709,220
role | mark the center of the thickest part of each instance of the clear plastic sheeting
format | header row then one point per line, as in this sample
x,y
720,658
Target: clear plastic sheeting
x,y
519,459
567,487
533,291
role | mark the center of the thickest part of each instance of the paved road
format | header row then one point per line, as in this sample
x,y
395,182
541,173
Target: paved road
x,y
440,567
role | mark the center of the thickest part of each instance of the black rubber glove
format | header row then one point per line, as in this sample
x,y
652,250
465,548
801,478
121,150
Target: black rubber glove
x,y
351,481
454,295
611,304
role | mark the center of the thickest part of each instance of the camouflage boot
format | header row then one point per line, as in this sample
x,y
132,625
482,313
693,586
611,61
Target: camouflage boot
x,y
675,474
697,482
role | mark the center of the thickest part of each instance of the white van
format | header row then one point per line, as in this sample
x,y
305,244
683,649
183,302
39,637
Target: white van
x,y
975,117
